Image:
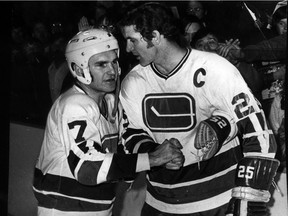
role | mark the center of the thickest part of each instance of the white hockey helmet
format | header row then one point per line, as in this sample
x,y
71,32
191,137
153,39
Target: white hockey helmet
x,y
86,44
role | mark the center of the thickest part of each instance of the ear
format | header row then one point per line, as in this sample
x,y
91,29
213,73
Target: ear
x,y
156,37
78,71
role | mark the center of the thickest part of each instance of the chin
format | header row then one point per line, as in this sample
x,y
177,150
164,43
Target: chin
x,y
144,64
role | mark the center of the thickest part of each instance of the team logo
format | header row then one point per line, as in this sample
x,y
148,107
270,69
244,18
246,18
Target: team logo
x,y
169,112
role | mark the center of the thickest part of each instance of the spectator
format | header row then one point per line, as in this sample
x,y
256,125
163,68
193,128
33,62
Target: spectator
x,y
191,24
171,93
206,40
37,51
268,55
41,35
198,9
22,81
58,70
81,158
279,20
277,121
273,49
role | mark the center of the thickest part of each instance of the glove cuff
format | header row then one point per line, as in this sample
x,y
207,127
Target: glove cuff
x,y
256,172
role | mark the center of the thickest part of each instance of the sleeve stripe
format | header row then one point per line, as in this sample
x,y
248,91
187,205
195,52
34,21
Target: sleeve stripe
x,y
137,145
105,167
133,140
263,140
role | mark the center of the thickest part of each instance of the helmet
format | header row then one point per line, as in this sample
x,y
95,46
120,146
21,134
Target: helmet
x,y
86,44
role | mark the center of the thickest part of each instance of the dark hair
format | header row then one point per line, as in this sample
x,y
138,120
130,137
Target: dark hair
x,y
202,32
189,19
280,13
153,16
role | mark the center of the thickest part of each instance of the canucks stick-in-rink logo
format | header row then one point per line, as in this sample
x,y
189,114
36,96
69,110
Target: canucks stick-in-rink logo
x,y
169,112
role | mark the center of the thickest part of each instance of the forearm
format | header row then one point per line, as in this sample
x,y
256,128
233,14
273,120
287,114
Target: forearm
x,y
138,141
267,50
114,167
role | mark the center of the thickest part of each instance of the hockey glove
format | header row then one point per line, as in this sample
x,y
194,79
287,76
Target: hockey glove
x,y
210,136
254,176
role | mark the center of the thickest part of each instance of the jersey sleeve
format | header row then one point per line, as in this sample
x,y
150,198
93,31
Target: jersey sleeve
x,y
92,156
135,136
229,92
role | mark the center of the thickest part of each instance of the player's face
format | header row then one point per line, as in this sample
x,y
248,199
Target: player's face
x,y
138,46
281,26
103,68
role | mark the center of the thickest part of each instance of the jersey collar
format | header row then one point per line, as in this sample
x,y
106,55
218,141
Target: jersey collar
x,y
177,68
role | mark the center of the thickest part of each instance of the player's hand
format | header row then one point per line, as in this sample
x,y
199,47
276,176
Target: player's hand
x,y
175,164
165,152
178,162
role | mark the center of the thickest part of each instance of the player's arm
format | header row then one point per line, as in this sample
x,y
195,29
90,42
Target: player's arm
x,y
255,172
91,161
231,94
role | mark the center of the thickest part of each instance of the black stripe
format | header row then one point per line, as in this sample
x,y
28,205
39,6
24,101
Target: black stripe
x,y
88,172
73,160
71,187
131,143
131,131
123,166
252,144
196,192
68,204
191,172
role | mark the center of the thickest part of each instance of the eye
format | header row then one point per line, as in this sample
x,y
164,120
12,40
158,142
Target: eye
x,y
100,64
115,61
133,41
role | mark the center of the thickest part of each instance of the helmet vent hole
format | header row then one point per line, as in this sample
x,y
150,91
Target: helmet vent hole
x,y
89,38
74,40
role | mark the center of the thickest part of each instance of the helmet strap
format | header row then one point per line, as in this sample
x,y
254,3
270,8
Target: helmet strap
x,y
83,75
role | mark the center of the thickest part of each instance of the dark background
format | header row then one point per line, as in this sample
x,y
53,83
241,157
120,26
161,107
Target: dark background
x,y
229,20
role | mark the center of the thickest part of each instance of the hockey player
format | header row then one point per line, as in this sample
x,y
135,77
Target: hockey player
x,y
81,159
200,99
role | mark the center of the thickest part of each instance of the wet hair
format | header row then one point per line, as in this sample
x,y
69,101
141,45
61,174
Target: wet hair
x,y
153,16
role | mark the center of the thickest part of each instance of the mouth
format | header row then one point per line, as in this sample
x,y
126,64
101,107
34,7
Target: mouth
x,y
136,56
111,80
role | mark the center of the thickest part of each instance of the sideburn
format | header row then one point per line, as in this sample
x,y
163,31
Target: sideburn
x,y
149,44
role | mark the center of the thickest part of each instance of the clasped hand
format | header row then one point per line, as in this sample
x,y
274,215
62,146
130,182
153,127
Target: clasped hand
x,y
168,154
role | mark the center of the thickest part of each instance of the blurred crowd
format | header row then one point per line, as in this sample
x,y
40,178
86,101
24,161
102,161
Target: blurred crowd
x,y
251,35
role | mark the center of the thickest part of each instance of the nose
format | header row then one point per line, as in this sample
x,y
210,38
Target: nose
x,y
129,46
113,68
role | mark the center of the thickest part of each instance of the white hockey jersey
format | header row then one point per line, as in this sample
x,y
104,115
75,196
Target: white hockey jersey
x,y
161,107
79,161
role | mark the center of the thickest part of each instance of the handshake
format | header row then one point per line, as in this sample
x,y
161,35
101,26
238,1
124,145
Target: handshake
x,y
168,154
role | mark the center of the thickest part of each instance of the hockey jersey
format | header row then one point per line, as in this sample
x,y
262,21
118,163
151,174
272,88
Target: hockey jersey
x,y
161,107
81,158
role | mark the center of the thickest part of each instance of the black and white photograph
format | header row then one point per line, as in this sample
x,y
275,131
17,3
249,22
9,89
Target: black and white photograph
x,y
146,108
